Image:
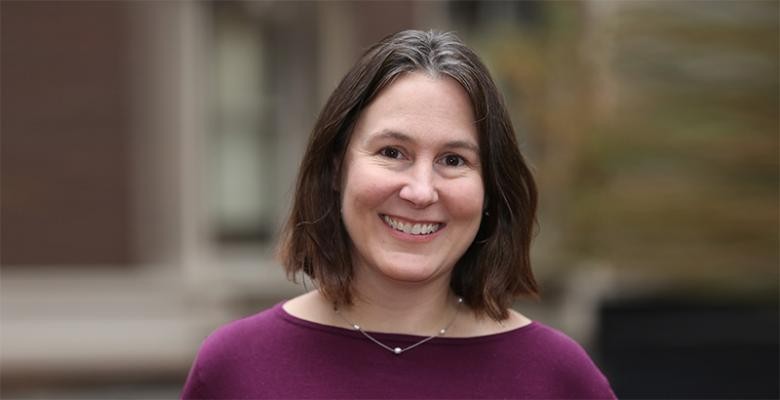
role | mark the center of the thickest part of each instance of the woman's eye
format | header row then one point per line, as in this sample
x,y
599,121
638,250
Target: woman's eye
x,y
453,160
390,152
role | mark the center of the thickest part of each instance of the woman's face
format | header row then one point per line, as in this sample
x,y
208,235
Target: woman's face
x,y
411,188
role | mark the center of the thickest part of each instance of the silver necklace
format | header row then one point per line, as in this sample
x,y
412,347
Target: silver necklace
x,y
399,350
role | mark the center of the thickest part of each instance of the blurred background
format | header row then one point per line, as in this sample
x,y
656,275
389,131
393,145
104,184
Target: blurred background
x,y
149,151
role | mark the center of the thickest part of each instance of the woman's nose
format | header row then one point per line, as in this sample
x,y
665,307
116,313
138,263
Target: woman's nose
x,y
419,188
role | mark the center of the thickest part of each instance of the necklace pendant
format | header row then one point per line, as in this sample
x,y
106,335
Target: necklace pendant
x,y
397,350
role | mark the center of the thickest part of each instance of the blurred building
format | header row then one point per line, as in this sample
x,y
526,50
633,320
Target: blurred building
x,y
149,151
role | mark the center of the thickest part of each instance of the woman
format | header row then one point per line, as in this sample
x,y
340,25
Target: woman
x,y
413,216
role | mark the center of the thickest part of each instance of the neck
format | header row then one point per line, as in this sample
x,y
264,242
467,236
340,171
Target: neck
x,y
393,307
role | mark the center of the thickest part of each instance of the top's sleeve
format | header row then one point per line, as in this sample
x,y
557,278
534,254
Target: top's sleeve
x,y
223,367
589,381
210,373
582,376
194,387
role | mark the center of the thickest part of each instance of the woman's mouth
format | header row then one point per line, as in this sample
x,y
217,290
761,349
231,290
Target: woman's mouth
x,y
420,229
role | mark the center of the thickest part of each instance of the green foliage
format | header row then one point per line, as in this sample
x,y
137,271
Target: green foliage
x,y
654,129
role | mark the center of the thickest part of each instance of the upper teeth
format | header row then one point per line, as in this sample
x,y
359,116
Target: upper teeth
x,y
414,229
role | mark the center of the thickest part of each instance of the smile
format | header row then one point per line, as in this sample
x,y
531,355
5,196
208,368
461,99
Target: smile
x,y
411,228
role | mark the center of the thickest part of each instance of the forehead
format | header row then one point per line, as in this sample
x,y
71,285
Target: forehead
x,y
424,107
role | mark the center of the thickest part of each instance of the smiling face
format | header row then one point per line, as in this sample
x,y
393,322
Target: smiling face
x,y
411,188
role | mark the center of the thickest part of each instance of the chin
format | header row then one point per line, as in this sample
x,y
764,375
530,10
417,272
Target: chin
x,y
410,272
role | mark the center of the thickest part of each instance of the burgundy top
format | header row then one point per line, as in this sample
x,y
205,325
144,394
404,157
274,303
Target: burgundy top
x,y
276,355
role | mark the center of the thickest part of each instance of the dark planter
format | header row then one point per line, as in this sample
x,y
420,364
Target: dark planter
x,y
661,348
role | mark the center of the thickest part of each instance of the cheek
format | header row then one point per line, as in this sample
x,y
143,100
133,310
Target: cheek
x,y
365,188
465,200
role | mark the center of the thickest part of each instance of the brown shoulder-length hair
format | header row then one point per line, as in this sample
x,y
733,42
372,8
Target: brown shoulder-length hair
x,y
496,268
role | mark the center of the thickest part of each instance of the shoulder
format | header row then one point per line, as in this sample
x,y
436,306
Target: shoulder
x,y
228,353
558,357
242,332
556,343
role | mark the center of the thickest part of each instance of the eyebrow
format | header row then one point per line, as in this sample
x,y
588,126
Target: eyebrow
x,y
454,144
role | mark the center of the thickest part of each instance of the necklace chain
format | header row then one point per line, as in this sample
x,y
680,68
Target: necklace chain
x,y
399,350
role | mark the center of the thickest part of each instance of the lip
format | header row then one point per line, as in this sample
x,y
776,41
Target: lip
x,y
408,237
